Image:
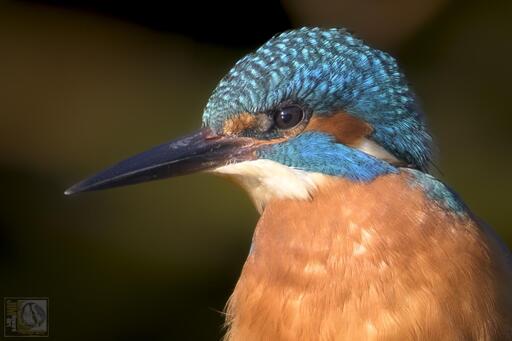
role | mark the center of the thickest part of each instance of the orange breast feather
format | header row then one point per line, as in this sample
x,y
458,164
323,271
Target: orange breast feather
x,y
374,261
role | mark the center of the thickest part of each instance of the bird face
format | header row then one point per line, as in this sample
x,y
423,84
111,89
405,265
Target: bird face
x,y
309,102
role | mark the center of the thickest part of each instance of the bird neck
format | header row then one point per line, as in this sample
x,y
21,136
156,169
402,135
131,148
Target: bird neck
x,y
351,251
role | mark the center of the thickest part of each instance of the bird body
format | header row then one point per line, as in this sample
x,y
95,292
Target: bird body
x,y
403,268
356,241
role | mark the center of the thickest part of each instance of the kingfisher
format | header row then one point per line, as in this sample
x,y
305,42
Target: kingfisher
x,y
356,240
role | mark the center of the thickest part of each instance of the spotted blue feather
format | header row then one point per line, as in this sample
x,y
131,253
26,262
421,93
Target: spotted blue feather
x,y
329,70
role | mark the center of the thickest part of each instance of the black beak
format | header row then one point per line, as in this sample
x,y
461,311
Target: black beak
x,y
199,151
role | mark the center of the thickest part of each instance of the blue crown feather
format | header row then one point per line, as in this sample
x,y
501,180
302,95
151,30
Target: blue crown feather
x,y
328,70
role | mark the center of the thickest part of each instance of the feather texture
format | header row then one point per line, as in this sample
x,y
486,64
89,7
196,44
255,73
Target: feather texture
x,y
371,261
326,70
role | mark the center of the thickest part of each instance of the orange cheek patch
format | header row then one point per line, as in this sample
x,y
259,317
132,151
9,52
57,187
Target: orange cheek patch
x,y
239,123
345,128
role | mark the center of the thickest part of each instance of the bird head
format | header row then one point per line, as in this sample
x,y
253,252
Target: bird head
x,y
308,103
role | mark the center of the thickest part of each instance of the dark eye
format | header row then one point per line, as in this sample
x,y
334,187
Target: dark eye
x,y
288,117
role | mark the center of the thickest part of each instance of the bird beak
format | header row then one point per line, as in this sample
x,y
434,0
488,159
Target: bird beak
x,y
199,151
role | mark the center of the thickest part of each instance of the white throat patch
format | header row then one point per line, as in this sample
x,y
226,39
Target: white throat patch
x,y
266,179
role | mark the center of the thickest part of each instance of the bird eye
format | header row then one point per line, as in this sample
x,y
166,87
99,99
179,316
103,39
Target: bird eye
x,y
288,117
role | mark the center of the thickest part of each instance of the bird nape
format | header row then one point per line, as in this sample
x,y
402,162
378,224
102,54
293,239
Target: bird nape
x,y
356,240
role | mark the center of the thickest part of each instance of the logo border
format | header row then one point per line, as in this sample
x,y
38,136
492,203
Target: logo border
x,y
27,298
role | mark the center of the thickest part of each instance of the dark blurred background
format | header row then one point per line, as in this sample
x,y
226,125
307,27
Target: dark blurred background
x,y
85,83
